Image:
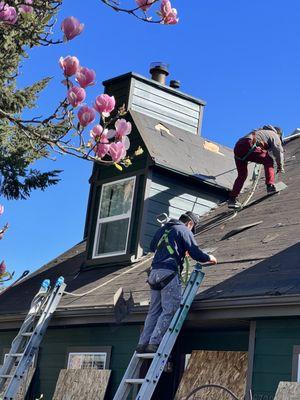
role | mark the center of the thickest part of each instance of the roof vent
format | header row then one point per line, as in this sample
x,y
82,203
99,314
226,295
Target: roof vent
x,y
159,71
175,84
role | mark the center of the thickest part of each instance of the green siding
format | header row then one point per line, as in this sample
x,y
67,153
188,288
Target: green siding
x,y
273,355
218,340
54,351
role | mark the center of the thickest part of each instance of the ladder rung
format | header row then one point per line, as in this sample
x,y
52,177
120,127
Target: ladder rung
x,y
16,354
27,334
145,355
135,381
6,376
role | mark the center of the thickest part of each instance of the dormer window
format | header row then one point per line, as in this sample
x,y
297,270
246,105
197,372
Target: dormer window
x,y
114,215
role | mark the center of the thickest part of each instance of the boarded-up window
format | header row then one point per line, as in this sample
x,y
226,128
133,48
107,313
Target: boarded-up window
x,y
87,360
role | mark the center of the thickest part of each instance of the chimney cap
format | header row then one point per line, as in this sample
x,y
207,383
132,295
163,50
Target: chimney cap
x,y
161,66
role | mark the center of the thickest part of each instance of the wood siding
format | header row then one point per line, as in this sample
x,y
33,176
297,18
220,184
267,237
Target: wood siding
x,y
53,352
173,196
166,107
273,358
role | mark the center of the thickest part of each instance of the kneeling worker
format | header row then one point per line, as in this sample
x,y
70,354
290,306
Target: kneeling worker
x,y
170,244
255,147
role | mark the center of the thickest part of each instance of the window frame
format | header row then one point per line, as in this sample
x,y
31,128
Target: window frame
x,y
100,221
90,350
296,364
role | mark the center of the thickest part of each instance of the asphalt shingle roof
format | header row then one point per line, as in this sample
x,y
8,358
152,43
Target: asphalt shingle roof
x,y
262,260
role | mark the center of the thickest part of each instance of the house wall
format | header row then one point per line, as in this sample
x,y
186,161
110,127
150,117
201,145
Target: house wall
x,y
54,351
173,196
167,107
273,358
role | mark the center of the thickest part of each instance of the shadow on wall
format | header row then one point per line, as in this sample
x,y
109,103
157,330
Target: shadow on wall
x,y
174,196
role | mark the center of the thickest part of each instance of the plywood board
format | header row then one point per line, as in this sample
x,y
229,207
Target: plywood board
x,y
288,391
79,384
24,386
226,368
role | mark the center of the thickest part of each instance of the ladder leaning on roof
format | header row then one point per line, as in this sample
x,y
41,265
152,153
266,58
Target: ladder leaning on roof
x,y
160,358
26,344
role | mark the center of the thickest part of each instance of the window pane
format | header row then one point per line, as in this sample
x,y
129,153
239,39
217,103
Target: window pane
x,y
116,198
87,361
112,236
75,361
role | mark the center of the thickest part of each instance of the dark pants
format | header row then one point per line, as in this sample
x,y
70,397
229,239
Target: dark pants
x,y
259,156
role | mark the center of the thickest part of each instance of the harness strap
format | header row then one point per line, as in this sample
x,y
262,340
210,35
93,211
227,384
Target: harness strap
x,y
255,144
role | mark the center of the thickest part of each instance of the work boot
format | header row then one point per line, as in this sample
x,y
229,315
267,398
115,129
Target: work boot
x,y
151,348
234,203
271,189
140,348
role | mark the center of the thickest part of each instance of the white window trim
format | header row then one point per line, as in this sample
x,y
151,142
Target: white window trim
x,y
114,218
84,353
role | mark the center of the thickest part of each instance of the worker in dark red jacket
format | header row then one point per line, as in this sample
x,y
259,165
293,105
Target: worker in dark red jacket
x,y
255,147
170,244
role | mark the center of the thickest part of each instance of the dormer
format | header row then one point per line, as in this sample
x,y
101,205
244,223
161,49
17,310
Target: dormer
x,y
178,171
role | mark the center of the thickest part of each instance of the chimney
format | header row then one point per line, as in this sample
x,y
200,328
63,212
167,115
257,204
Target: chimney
x,y
159,71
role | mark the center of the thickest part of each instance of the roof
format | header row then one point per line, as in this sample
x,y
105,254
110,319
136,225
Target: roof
x,y
192,155
261,262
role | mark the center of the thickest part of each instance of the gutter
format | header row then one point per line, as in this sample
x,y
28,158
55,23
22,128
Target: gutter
x,y
202,310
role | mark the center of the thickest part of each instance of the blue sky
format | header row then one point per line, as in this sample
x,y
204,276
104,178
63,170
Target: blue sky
x,y
241,57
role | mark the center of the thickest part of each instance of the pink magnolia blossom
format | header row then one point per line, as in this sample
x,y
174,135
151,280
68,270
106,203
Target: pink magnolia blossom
x,y
144,4
169,14
85,77
102,149
117,151
2,268
71,27
1,209
69,65
123,128
8,14
86,115
104,104
99,134
76,95
25,8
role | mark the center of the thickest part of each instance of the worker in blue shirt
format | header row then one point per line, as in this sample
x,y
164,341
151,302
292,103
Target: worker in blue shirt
x,y
170,244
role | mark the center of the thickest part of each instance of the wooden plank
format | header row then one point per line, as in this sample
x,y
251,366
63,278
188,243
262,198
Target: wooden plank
x,y
79,384
24,386
226,368
288,391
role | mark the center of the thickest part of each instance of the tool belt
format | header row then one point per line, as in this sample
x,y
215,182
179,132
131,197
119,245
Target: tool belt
x,y
163,283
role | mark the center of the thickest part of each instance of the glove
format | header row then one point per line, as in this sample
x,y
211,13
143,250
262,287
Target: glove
x,y
212,259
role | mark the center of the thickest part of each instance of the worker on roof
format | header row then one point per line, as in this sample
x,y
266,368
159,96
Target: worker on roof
x,y
255,147
170,244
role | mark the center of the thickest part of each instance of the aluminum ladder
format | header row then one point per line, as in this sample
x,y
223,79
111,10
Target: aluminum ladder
x,y
26,344
159,359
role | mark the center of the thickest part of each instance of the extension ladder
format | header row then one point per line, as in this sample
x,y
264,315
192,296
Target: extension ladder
x,y
26,344
159,359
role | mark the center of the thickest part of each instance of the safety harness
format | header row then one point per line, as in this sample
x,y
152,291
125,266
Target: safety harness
x,y
164,242
255,144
